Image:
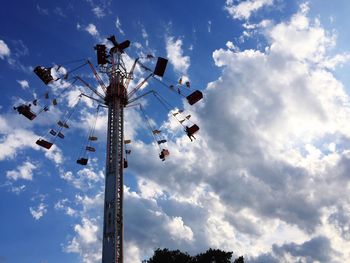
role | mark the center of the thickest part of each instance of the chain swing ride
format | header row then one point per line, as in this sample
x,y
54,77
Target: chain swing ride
x,y
116,96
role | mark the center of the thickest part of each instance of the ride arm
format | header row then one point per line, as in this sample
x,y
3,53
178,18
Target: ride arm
x,y
90,88
98,78
138,86
143,95
92,98
131,73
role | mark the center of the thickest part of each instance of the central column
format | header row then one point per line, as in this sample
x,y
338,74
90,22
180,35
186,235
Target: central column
x,y
112,251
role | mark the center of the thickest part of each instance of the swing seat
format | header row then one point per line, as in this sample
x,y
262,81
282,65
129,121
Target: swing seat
x,y
62,124
160,67
43,143
44,74
60,135
90,149
161,141
92,138
26,112
53,132
192,130
125,164
194,97
82,161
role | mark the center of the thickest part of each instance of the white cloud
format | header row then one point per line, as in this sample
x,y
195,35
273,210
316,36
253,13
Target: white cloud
x,y
145,35
18,189
14,138
132,253
87,231
98,11
42,11
92,30
86,241
38,212
178,230
174,50
4,50
246,8
84,179
55,155
271,169
62,205
13,141
24,172
23,83
231,46
118,25
315,39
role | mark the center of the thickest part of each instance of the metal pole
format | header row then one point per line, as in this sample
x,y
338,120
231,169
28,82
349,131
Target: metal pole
x,y
112,250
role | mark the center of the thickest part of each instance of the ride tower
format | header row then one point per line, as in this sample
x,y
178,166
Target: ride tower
x,y
115,100
115,96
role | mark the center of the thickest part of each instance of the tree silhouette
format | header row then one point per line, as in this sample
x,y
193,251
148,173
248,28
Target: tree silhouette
x,y
176,256
213,255
239,260
169,256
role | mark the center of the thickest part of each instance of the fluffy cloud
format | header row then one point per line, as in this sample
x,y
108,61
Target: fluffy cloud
x,y
23,83
24,171
84,179
87,234
61,205
42,11
271,157
4,50
86,241
317,249
174,51
14,139
19,139
98,11
118,25
245,8
38,212
92,30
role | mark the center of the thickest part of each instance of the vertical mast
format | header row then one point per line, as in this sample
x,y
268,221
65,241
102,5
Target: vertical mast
x,y
116,98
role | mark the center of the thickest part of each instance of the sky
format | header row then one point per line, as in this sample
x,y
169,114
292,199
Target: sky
x,y
267,176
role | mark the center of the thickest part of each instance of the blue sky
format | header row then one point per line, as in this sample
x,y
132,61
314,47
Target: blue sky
x,y
267,176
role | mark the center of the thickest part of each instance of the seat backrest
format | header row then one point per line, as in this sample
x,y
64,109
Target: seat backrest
x,y
193,129
194,97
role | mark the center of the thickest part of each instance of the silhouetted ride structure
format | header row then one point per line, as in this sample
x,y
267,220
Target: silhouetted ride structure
x,y
115,96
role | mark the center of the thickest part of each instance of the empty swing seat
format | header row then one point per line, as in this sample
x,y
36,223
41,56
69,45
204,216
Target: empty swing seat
x,y
92,138
192,130
62,124
160,67
26,112
44,74
82,161
194,97
90,149
43,143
